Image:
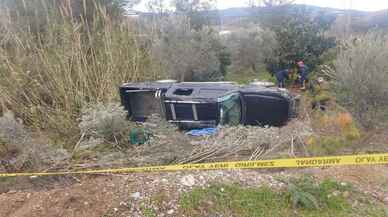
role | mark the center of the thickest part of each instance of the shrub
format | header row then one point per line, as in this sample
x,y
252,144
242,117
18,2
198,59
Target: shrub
x,y
361,77
304,192
19,151
337,132
326,145
12,130
108,122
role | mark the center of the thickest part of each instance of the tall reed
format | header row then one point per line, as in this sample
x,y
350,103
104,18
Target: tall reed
x,y
48,74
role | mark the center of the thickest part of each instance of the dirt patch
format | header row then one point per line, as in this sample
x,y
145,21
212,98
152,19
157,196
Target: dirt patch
x,y
89,197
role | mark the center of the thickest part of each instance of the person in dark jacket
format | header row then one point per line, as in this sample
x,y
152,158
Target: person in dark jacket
x,y
282,76
303,72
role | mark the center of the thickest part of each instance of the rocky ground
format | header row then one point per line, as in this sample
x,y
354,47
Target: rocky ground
x,y
137,194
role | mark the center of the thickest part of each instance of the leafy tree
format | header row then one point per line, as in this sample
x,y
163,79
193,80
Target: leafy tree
x,y
225,58
252,48
199,12
300,37
361,77
187,54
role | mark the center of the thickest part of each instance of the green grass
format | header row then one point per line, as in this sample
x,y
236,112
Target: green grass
x,y
303,197
7,180
327,145
148,212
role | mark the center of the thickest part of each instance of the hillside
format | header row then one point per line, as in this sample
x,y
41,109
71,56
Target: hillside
x,y
359,20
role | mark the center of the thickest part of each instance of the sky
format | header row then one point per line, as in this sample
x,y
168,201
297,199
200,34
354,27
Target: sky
x,y
364,5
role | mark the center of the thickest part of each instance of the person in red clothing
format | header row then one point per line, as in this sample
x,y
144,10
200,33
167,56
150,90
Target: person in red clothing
x,y
303,72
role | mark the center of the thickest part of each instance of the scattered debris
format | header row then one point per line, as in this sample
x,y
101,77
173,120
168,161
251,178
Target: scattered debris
x,y
202,132
166,144
250,143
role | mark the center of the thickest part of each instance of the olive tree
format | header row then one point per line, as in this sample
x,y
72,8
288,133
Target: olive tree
x,y
252,48
361,77
186,54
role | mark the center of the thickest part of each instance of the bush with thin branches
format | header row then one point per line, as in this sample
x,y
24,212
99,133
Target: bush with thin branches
x,y
361,78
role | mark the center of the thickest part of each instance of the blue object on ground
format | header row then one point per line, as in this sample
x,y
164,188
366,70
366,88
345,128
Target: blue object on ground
x,y
202,132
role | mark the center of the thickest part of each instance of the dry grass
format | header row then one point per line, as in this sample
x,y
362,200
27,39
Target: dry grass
x,y
19,151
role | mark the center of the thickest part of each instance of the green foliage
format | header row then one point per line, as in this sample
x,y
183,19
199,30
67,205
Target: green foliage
x,y
183,53
148,212
233,200
300,37
361,77
306,193
3,147
106,121
327,145
198,12
323,97
251,48
224,57
304,196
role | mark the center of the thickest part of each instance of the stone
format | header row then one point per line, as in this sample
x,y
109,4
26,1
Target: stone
x,y
135,195
346,194
188,180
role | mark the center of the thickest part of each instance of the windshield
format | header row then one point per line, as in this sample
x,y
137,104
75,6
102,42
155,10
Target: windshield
x,y
230,110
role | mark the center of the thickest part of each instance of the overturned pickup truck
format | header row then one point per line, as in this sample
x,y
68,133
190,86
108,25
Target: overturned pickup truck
x,y
208,104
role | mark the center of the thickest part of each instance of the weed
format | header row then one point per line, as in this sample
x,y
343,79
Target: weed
x,y
3,148
193,199
326,145
305,193
158,198
147,211
302,198
7,180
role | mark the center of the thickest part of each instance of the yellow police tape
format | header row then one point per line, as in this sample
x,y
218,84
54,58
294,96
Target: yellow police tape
x,y
368,159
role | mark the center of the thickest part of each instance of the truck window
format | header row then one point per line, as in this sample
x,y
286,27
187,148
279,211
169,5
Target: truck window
x,y
230,111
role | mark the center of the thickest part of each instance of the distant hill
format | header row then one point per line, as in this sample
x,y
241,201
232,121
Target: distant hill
x,y
359,20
